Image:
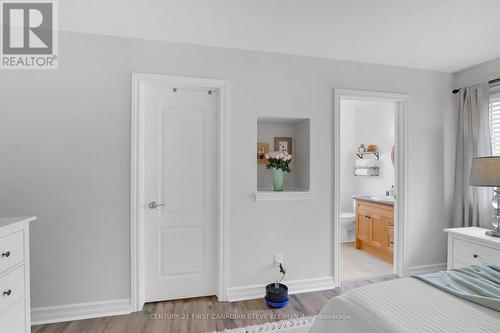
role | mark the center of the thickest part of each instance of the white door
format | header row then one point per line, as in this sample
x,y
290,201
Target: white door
x,y
180,191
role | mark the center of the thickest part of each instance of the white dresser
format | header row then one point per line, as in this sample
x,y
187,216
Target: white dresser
x,y
467,246
14,275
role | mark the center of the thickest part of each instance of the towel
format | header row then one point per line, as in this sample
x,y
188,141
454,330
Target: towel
x,y
366,163
366,172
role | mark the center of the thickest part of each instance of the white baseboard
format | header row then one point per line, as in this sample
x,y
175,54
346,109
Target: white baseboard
x,y
294,287
416,270
68,312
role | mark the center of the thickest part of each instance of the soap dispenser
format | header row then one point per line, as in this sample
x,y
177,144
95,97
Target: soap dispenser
x,y
392,192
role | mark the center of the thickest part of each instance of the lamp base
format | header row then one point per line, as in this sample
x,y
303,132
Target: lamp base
x,y
493,233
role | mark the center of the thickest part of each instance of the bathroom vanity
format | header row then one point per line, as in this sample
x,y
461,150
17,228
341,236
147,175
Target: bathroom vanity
x,y
375,226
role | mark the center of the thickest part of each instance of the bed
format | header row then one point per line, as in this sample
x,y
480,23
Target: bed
x,y
406,305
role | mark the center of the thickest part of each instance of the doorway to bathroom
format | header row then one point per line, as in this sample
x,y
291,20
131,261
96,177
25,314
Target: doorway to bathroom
x,y
370,185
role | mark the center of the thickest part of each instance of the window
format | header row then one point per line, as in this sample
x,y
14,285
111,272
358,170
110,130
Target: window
x,y
495,123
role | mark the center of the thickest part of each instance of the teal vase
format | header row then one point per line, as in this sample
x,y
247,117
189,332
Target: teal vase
x,y
278,178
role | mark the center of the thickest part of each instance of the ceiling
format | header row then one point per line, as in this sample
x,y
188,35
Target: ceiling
x,y
442,35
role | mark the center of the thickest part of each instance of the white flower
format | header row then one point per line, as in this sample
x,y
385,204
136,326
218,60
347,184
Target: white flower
x,y
278,155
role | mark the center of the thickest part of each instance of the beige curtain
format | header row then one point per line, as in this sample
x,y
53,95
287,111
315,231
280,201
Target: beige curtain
x,y
471,204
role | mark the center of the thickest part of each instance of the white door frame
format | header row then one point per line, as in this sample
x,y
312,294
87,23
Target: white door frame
x,y
402,171
137,201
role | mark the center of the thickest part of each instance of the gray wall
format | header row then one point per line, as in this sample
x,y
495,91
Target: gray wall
x,y
64,142
477,74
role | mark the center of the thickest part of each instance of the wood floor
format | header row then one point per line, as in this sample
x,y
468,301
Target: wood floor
x,y
205,314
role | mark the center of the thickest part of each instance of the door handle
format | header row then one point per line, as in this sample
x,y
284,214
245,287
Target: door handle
x,y
154,204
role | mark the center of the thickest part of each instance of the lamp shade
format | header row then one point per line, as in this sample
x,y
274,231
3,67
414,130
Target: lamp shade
x,y
485,171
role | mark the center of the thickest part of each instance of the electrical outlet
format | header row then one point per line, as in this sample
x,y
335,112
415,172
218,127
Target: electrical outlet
x,y
278,259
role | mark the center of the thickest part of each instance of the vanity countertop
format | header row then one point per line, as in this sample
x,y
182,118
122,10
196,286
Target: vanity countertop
x,y
375,199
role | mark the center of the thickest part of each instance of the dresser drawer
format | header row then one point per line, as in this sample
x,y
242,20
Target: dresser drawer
x,y
467,253
14,319
11,250
11,288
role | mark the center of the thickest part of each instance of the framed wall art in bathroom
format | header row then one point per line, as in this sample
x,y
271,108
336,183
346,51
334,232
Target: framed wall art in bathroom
x,y
262,149
283,144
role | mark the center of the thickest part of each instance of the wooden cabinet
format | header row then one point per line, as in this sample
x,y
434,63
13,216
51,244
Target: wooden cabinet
x,y
363,227
375,228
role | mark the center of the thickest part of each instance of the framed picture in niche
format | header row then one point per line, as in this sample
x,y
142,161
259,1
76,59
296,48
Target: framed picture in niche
x,y
283,144
262,149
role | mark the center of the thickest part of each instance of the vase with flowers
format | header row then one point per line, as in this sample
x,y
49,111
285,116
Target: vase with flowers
x,y
279,163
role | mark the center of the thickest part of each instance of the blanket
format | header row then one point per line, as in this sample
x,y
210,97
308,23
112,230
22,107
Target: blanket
x,y
478,283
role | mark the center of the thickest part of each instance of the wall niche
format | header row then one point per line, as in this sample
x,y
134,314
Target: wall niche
x,y
269,128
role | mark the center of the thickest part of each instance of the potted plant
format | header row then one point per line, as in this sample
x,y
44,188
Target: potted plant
x,y
278,162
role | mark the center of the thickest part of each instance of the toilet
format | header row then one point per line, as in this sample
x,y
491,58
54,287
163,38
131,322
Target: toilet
x,y
348,224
